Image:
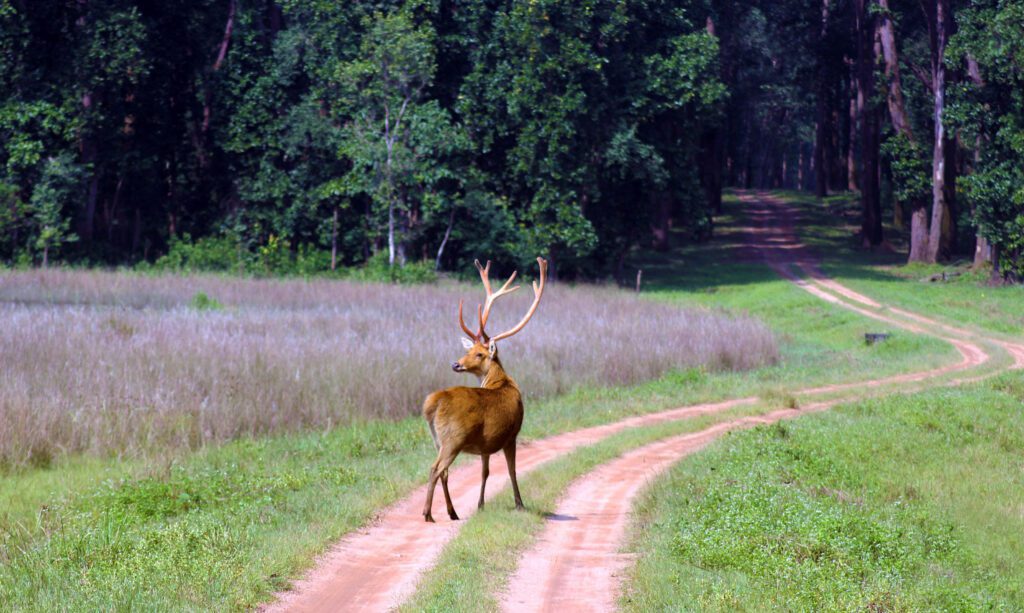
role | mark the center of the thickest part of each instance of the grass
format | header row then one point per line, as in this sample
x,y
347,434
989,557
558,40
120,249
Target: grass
x,y
909,502
120,363
219,530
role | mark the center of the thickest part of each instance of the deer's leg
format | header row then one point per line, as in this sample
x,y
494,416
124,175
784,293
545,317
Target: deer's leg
x,y
486,470
510,459
448,497
440,466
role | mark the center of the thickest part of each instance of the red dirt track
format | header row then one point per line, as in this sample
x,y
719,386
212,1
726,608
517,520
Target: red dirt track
x,y
576,564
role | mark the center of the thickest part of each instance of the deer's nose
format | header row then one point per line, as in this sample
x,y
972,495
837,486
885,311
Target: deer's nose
x,y
456,366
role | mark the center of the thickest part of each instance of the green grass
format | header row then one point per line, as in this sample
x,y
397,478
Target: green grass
x,y
219,530
910,502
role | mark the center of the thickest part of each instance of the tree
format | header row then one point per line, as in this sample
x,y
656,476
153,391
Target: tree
x,y
51,224
990,114
383,89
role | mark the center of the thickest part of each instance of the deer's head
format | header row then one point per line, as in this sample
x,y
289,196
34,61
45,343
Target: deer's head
x,y
481,348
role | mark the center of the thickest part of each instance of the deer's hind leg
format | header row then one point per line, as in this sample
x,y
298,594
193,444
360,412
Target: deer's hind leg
x,y
439,470
510,459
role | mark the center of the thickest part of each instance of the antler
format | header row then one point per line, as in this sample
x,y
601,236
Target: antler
x,y
484,312
537,292
473,335
485,272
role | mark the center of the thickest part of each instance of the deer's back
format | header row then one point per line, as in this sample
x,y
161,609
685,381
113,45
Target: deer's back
x,y
477,420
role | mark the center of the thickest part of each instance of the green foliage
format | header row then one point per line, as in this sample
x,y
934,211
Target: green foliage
x,y
208,254
377,268
202,302
911,169
991,116
59,181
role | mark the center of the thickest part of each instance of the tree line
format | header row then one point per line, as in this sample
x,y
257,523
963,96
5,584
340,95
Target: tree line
x,y
437,130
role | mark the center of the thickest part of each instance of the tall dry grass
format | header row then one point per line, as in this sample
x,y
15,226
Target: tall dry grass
x,y
106,362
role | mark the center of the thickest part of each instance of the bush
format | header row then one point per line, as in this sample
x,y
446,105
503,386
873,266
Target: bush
x,y
210,254
377,269
277,259
201,301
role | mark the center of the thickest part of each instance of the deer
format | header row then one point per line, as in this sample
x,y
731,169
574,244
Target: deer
x,y
479,420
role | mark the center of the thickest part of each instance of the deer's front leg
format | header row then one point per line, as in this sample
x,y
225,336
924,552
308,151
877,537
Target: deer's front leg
x,y
448,497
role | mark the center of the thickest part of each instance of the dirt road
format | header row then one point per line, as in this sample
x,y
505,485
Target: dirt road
x,y
377,568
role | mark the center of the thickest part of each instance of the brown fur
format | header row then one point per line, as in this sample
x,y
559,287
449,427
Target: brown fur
x,y
478,420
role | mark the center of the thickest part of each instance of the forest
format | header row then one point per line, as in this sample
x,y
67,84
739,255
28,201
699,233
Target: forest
x,y
308,135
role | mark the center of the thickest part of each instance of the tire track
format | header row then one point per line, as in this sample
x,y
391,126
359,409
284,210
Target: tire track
x,y
377,567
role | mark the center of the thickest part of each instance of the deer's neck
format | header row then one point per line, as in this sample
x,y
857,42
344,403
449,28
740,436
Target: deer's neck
x,y
497,377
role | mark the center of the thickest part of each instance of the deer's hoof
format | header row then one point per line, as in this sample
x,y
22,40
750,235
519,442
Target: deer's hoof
x,y
428,518
454,516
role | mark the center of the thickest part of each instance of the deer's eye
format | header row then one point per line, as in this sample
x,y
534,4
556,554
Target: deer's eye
x,y
479,355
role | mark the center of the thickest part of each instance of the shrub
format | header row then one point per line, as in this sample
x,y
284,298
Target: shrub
x,y
209,254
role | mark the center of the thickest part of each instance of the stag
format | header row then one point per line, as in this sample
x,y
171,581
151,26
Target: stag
x,y
479,420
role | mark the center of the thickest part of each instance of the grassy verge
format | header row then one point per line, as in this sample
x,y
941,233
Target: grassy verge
x,y
911,502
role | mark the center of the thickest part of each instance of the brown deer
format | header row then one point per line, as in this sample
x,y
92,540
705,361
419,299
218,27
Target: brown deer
x,y
479,420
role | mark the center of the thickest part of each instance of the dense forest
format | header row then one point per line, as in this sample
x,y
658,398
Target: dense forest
x,y
330,134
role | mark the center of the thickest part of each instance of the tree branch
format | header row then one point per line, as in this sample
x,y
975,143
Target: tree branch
x,y
922,76
226,41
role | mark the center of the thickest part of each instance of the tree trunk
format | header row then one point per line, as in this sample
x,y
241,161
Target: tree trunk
x,y
919,239
90,150
856,103
894,98
940,210
951,165
222,53
444,241
982,248
821,161
982,251
871,227
662,223
334,239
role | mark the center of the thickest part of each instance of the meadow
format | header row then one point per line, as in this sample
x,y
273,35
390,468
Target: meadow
x,y
115,363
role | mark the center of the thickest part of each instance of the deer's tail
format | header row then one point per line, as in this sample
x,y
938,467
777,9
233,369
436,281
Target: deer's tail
x,y
429,411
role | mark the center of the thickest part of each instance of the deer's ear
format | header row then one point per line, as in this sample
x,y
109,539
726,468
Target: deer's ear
x,y
467,344
492,348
